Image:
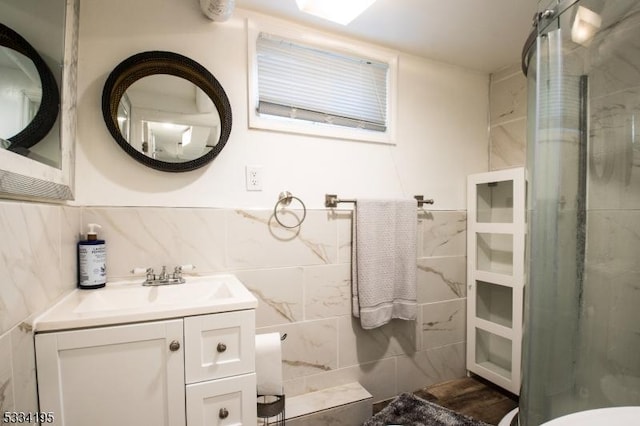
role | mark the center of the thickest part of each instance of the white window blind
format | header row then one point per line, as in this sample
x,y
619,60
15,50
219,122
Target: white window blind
x,y
306,83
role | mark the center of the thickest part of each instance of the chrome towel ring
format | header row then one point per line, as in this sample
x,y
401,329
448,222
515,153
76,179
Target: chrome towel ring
x,y
285,199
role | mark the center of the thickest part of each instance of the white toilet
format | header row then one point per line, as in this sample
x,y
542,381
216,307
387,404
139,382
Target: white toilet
x,y
506,420
597,417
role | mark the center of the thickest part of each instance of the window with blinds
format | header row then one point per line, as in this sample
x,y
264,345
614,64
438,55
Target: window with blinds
x,y
303,82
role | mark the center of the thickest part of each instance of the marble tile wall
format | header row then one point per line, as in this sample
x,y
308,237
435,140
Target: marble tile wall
x,y
37,266
508,118
301,278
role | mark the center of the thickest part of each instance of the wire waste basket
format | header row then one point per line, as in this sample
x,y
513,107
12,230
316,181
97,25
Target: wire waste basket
x,y
271,409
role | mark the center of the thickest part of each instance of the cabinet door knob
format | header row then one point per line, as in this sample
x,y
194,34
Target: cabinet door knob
x,y
223,413
174,346
221,347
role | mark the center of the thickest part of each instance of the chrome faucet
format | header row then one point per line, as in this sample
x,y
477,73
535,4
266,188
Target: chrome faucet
x,y
163,278
163,275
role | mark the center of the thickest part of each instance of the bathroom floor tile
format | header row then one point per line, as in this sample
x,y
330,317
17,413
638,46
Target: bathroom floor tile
x,y
471,396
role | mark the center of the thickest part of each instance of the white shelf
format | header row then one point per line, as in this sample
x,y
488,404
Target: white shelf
x,y
494,303
494,200
495,369
494,253
495,274
492,277
493,328
495,350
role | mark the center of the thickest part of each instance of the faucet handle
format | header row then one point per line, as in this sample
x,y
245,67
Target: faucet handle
x,y
178,270
185,268
150,276
142,271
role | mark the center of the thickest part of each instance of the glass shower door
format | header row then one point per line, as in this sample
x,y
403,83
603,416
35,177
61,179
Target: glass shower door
x,y
582,322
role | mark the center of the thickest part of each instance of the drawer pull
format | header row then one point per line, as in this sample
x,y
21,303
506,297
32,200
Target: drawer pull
x,y
174,346
223,413
221,347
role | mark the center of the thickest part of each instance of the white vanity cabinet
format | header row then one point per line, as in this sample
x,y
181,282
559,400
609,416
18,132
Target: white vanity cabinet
x,y
220,369
194,370
122,375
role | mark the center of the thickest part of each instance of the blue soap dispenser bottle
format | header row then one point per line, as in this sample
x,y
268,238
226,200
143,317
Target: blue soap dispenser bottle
x,y
92,260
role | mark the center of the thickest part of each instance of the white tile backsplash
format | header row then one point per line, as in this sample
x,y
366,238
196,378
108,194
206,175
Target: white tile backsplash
x,y
310,347
279,293
30,260
37,266
443,234
70,231
378,377
361,346
425,368
255,240
443,323
6,374
24,368
441,278
152,237
327,291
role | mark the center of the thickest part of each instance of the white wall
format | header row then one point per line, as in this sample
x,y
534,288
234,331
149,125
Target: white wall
x,y
442,130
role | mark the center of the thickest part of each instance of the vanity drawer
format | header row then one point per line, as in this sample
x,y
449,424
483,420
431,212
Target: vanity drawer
x,y
219,345
230,401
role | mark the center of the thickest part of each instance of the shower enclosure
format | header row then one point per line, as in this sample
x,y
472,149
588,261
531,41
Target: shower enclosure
x,y
582,310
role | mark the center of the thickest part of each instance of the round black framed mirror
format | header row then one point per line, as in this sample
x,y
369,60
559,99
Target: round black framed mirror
x,y
41,110
166,111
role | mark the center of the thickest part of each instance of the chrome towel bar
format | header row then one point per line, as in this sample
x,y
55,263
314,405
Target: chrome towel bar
x,y
332,200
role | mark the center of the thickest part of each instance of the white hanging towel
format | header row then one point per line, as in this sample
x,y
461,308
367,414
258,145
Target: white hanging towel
x,y
384,261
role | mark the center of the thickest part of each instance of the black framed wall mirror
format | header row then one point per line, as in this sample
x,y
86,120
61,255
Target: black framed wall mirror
x,y
166,111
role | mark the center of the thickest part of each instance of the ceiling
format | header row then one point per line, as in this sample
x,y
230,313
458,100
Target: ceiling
x,y
484,35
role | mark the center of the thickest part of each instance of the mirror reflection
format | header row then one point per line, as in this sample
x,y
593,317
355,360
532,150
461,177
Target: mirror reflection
x,y
20,93
168,118
31,49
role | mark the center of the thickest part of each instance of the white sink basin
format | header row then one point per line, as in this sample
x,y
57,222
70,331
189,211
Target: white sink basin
x,y
130,301
134,297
